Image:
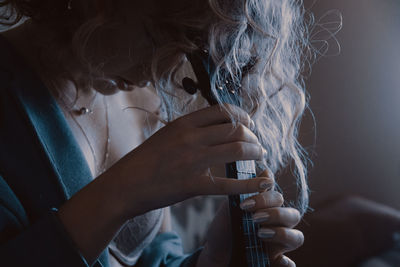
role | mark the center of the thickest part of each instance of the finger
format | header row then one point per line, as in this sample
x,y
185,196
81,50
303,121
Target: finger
x,y
218,114
226,133
281,239
265,173
264,200
283,261
227,186
231,152
286,217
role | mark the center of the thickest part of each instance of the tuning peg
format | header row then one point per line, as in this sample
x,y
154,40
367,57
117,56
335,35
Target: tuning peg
x,y
189,85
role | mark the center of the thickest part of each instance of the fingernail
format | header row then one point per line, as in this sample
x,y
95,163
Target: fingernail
x,y
260,217
247,204
284,261
266,233
265,153
252,125
266,185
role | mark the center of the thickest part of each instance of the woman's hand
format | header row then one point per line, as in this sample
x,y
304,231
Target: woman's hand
x,y
276,225
173,164
276,231
169,167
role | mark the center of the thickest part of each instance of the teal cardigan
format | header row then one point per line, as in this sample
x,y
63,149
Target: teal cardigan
x,y
42,166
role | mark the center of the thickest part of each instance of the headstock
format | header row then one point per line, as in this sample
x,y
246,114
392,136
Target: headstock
x,y
203,68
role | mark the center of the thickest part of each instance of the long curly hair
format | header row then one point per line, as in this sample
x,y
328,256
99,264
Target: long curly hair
x,y
271,35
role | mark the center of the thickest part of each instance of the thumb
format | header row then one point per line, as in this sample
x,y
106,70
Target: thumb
x,y
217,249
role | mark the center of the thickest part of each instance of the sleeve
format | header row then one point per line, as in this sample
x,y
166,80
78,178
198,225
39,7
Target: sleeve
x,y
44,243
166,250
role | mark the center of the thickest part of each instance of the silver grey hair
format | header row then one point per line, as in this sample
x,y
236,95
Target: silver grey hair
x,y
272,35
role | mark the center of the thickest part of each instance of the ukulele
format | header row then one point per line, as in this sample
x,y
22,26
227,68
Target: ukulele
x,y
247,249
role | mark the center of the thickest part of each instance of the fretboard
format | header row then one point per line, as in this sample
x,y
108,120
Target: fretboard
x,y
247,249
251,245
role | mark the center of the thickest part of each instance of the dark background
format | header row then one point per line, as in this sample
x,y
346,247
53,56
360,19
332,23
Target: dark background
x,y
355,98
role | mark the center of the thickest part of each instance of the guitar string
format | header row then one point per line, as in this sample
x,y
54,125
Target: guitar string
x,y
246,243
255,243
258,245
246,217
249,237
260,248
255,239
250,234
245,221
246,224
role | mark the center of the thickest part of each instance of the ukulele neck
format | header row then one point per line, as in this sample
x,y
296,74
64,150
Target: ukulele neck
x,y
245,230
247,248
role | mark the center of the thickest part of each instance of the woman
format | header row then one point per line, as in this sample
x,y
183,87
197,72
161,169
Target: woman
x,y
99,60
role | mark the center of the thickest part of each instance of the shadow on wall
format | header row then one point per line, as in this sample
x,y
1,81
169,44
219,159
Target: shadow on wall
x,y
356,101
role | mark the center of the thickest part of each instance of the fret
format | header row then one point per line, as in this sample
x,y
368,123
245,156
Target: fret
x,y
246,166
252,245
255,254
244,176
